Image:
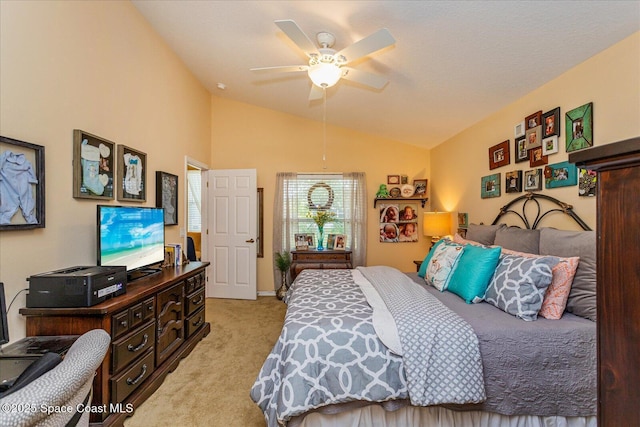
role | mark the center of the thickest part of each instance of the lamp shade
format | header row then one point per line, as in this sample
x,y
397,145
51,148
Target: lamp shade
x,y
436,224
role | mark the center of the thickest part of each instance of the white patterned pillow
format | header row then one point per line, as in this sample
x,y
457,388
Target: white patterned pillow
x,y
518,285
442,264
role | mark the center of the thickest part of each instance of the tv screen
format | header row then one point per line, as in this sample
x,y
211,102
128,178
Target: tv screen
x,y
130,235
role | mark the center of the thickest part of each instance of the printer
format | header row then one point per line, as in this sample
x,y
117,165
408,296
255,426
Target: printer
x,y
82,286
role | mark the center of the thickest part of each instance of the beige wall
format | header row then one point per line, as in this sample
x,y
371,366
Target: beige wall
x,y
611,80
95,66
246,136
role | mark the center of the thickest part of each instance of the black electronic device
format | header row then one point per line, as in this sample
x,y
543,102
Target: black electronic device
x,y
4,327
82,286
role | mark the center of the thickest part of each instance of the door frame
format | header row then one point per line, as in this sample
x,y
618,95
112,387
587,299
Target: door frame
x,y
189,161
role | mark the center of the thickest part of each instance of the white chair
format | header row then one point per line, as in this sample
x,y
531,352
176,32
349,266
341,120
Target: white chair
x,y
67,385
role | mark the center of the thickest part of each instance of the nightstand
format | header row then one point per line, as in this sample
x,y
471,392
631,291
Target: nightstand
x,y
418,264
326,259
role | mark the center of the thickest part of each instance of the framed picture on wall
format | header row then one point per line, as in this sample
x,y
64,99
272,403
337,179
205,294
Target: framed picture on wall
x,y
490,186
520,149
533,120
533,180
536,158
579,128
534,137
421,187
393,179
167,196
132,175
550,145
563,174
499,155
93,166
513,181
551,123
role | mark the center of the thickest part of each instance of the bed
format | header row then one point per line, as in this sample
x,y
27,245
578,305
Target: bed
x,y
375,346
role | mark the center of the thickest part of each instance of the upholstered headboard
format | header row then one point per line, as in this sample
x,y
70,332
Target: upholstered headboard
x,y
532,213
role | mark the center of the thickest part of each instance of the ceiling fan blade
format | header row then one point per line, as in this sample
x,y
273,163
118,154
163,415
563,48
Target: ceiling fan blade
x,y
281,69
363,77
316,93
376,41
291,29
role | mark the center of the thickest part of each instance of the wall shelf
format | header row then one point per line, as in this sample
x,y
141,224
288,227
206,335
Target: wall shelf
x,y
422,200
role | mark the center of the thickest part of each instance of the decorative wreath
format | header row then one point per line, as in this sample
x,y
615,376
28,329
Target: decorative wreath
x,y
329,201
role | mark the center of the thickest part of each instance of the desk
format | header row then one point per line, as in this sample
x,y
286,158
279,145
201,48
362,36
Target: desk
x,y
326,259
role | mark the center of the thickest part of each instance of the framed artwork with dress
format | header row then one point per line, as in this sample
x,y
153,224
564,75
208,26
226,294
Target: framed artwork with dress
x,y
132,175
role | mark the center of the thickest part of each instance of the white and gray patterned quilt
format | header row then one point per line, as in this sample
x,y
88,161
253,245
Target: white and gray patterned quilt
x,y
329,353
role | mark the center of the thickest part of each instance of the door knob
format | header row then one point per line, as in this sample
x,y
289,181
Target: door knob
x,y
250,241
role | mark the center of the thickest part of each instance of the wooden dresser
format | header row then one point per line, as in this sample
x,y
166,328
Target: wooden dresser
x,y
618,279
325,259
156,323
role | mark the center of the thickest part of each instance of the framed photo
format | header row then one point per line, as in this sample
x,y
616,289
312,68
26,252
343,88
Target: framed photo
x,y
93,166
393,179
331,241
421,187
513,182
533,180
551,123
534,137
304,241
520,149
167,196
23,172
490,186
518,130
587,182
132,175
499,155
533,120
536,158
340,242
408,212
579,128
404,179
550,145
563,174
408,232
389,232
463,220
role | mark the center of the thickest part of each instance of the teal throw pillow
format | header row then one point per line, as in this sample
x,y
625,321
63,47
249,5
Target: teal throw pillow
x,y
422,272
474,272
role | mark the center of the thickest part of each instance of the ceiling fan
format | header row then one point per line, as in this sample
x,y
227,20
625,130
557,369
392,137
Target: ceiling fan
x,y
326,66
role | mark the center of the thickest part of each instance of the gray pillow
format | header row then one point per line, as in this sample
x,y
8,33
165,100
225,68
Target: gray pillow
x,y
519,284
518,239
484,234
582,298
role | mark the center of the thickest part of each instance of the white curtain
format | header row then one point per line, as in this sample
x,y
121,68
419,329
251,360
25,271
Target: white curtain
x,y
290,208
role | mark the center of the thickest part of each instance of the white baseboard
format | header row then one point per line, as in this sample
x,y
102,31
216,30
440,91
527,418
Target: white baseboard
x,y
266,293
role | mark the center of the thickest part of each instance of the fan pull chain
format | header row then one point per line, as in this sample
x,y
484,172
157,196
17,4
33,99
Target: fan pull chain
x,y
324,127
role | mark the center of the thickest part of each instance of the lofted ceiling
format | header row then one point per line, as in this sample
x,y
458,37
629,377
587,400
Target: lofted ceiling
x,y
454,62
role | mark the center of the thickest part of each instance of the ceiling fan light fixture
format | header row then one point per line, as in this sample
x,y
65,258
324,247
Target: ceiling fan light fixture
x,y
324,75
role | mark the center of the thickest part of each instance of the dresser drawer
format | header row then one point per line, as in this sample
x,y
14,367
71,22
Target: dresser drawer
x,y
131,347
194,301
124,384
194,322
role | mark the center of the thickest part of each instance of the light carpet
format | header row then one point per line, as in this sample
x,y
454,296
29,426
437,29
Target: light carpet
x,y
210,387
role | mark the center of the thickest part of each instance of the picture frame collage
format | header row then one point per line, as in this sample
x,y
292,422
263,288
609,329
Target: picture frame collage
x,y
535,139
398,223
398,186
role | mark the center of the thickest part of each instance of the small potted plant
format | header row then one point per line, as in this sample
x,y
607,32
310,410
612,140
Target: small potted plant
x,y
283,263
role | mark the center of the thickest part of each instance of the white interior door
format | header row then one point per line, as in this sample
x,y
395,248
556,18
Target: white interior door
x,y
232,232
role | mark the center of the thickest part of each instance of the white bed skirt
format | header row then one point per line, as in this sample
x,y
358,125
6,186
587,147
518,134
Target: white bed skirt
x,y
435,416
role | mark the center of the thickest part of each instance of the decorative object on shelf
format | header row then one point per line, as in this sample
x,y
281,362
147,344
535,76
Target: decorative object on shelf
x,y
421,187
520,149
321,217
304,241
320,196
404,179
534,137
563,174
551,123
519,129
407,190
490,186
536,158
167,196
283,263
93,166
579,128
21,173
393,179
463,220
587,182
132,175
513,181
395,192
533,180
499,155
383,192
336,242
533,120
436,225
550,145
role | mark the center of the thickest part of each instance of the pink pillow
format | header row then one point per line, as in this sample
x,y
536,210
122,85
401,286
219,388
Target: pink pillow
x,y
462,241
557,294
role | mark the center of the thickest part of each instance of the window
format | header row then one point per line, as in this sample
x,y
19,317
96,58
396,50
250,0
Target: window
x,y
194,211
297,195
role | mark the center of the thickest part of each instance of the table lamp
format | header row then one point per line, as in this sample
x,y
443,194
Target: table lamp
x,y
436,225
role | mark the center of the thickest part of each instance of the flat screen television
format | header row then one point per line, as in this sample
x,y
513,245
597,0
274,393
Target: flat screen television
x,y
132,236
4,326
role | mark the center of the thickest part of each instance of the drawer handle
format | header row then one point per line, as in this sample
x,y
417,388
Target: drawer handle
x,y
139,315
199,301
139,377
139,347
124,323
150,308
198,322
